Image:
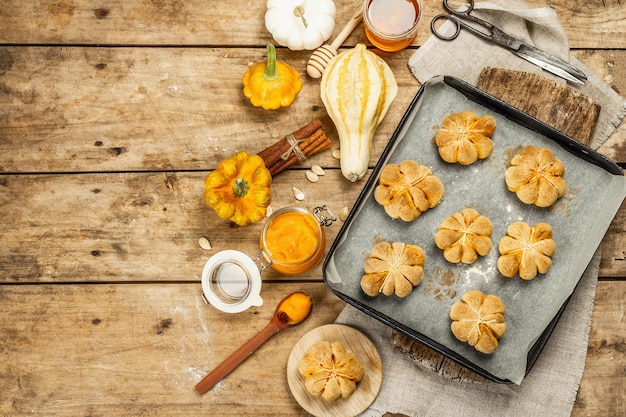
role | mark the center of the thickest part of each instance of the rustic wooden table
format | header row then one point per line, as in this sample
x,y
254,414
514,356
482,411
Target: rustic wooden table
x,y
111,116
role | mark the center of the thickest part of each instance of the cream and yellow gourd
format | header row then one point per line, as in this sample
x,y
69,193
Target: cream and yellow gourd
x,y
357,89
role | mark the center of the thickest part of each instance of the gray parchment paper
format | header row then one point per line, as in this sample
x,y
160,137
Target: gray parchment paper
x,y
579,220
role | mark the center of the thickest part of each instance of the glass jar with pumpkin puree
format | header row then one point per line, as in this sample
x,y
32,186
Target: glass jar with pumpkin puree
x,y
293,239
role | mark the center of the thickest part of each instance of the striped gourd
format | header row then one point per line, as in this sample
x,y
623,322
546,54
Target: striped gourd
x,y
357,89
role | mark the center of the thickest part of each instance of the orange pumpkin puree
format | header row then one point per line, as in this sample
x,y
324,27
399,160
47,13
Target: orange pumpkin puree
x,y
292,240
296,307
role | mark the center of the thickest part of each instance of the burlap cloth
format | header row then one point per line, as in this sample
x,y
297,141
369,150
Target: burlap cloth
x,y
552,384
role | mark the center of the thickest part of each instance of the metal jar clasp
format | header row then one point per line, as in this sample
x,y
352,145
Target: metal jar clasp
x,y
324,215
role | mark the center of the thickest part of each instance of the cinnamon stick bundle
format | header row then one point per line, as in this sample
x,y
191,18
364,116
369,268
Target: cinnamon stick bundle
x,y
301,144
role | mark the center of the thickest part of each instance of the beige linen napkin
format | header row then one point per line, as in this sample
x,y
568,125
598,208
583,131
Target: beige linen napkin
x,y
551,386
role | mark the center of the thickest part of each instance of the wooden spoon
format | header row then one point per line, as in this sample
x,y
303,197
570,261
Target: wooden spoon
x,y
280,321
322,55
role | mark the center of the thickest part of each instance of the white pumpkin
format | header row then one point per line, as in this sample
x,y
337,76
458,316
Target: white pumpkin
x,y
300,24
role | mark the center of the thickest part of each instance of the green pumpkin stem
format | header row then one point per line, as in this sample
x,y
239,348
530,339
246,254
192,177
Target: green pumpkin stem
x,y
240,187
270,71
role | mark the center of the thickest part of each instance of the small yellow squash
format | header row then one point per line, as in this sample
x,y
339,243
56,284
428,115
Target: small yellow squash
x,y
357,89
239,189
271,84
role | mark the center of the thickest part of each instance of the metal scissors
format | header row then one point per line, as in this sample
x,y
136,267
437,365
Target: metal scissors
x,y
494,34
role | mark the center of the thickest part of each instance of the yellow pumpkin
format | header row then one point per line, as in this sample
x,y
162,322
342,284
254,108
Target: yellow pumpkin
x,y
271,84
239,189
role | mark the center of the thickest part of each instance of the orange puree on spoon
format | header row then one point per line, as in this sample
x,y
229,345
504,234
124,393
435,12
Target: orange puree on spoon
x,y
294,308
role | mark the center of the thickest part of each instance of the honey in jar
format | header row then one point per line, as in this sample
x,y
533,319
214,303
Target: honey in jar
x,y
391,25
293,240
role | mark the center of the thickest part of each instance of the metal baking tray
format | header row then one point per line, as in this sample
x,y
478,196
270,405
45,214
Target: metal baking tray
x,y
595,189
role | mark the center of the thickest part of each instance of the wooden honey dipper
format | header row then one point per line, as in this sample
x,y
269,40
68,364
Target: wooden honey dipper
x,y
322,55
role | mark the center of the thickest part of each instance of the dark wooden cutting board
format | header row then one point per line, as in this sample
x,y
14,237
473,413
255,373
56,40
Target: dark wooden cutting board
x,y
557,105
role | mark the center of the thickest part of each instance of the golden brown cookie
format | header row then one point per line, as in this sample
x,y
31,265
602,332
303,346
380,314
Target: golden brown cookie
x,y
330,371
408,189
464,137
536,176
393,268
526,250
464,236
478,319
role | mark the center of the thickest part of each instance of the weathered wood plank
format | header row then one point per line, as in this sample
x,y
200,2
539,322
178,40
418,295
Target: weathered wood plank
x,y
586,23
138,349
610,66
134,226
228,22
108,109
126,109
613,260
603,385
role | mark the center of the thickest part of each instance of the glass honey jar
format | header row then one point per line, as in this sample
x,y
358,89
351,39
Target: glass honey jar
x,y
292,242
391,25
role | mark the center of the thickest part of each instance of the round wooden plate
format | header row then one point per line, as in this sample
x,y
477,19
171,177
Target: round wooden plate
x,y
366,390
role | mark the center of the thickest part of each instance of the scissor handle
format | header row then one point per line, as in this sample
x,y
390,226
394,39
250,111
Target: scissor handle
x,y
457,25
459,12
455,18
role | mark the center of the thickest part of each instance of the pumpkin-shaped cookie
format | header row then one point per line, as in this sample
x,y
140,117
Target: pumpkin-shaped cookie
x,y
408,189
526,250
478,319
464,137
330,370
464,236
536,176
393,268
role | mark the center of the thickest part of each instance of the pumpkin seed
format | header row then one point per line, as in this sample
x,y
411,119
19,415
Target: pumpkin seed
x,y
204,243
268,211
312,176
344,214
336,154
298,193
318,170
